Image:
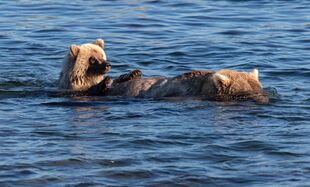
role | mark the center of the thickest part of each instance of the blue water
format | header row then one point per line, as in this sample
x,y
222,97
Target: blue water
x,y
48,139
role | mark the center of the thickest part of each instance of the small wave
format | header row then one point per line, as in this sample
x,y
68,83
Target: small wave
x,y
273,94
4,94
284,154
114,162
156,143
14,84
50,30
48,133
177,53
252,145
235,32
40,181
69,104
62,163
300,72
130,174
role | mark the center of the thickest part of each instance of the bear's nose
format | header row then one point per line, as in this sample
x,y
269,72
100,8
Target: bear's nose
x,y
107,64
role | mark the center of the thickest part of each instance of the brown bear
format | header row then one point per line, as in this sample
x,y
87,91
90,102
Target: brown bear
x,y
86,64
211,85
84,67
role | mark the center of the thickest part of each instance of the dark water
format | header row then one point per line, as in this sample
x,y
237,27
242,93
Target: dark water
x,y
49,140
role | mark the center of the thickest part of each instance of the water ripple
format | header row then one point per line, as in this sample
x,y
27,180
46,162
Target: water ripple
x,y
52,138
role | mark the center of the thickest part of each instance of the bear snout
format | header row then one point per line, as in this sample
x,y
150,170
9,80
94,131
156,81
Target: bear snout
x,y
99,68
107,67
107,64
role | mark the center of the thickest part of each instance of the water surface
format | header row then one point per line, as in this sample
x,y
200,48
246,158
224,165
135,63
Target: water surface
x,y
49,140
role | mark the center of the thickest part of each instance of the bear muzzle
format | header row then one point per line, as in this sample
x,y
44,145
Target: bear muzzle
x,y
107,67
99,68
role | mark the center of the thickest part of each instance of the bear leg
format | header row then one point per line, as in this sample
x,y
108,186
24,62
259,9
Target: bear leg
x,y
135,74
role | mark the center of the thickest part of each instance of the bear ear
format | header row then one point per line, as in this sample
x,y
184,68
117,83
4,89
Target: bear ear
x,y
254,73
100,42
74,50
220,78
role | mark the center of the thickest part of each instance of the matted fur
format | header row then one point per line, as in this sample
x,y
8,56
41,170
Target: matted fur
x,y
222,84
77,73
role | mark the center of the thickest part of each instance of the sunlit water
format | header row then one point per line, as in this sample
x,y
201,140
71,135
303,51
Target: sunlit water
x,y
53,140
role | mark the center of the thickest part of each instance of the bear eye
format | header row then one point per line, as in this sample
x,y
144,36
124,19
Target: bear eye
x,y
92,60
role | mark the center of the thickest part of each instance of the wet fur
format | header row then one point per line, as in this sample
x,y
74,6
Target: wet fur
x,y
79,72
86,64
212,85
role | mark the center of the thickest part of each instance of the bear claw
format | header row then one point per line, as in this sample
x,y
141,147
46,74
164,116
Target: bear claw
x,y
135,74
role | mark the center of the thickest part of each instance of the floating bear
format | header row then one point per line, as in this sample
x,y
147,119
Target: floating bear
x,y
86,64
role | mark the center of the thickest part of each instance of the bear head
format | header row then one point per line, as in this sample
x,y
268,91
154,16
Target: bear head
x,y
90,56
230,85
84,66
234,82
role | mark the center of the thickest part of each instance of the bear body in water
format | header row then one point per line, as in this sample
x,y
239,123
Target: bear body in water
x,y
212,85
86,64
